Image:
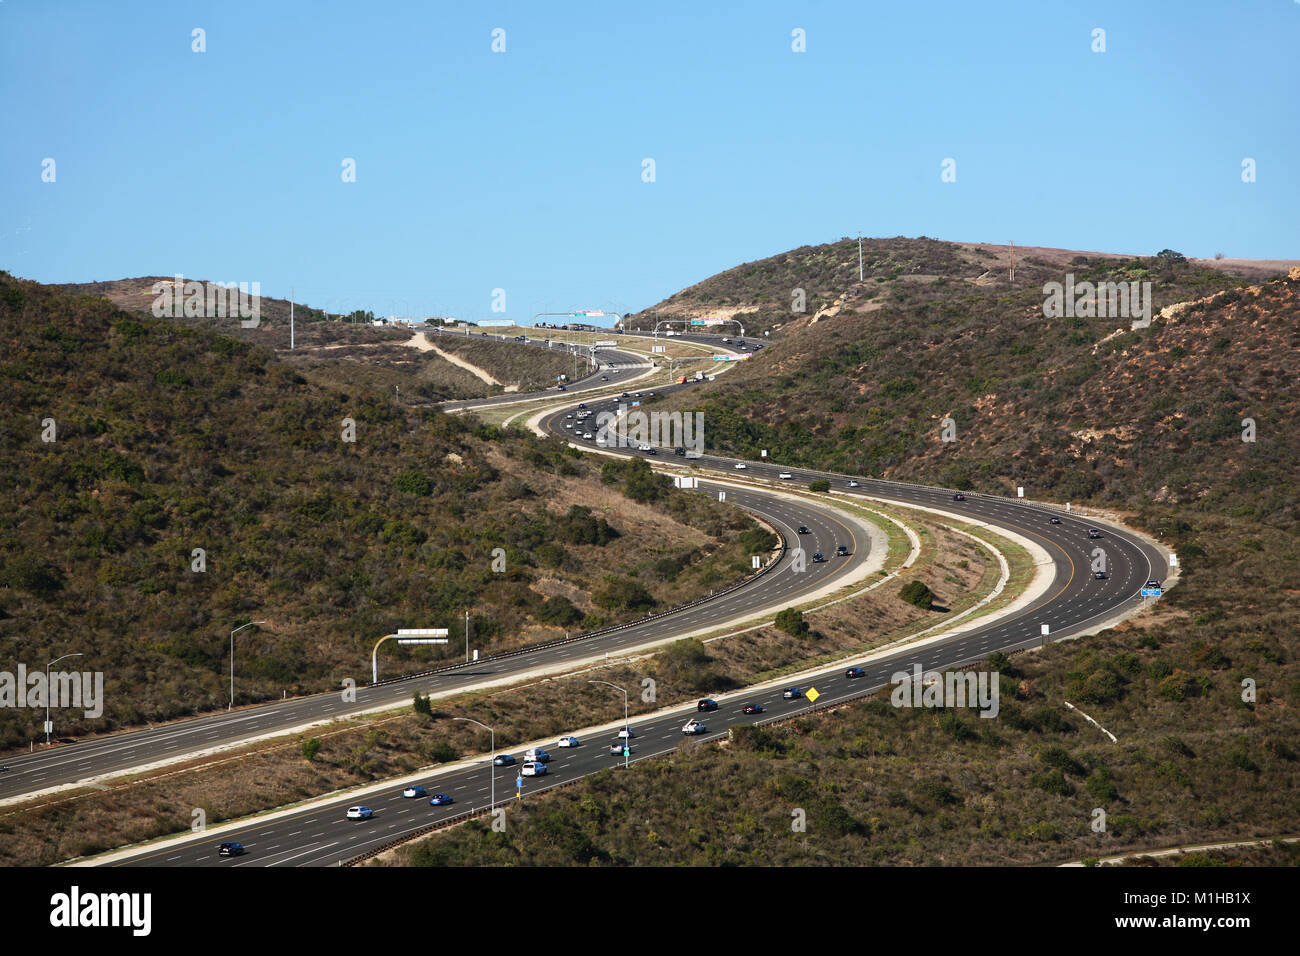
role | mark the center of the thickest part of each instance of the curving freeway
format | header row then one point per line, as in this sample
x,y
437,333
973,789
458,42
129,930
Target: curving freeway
x,y
1075,602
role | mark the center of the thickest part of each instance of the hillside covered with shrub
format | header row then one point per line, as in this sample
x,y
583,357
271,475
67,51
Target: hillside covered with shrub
x,y
165,484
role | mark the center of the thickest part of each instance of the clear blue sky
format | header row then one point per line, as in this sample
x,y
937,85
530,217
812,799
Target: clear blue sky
x,y
522,170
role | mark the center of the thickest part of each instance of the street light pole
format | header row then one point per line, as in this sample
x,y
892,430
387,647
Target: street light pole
x,y
627,741
47,692
232,660
492,773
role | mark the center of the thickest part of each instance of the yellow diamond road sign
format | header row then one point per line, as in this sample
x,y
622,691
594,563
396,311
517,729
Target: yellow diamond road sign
x,y
812,695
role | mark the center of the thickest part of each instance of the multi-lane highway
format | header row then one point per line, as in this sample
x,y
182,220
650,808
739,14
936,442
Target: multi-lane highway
x,y
119,753
1075,602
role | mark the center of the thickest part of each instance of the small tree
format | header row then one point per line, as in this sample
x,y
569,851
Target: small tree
x,y
422,704
821,484
791,621
915,592
310,748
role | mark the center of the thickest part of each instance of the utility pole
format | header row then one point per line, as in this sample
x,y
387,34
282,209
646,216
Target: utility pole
x,y
291,318
860,257
467,637
1012,277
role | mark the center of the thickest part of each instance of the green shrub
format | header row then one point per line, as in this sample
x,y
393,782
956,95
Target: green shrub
x,y
918,593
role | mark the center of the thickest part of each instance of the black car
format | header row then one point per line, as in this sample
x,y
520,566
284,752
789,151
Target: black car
x,y
1094,533
1099,575
959,497
231,849
1054,520
1153,583
707,704
503,760
842,551
854,672
803,530
604,378
752,709
679,452
818,557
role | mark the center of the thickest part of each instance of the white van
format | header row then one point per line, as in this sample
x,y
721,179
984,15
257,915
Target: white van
x,y
536,755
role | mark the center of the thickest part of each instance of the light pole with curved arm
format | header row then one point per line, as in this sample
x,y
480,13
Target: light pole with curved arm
x,y
492,772
627,741
48,689
232,661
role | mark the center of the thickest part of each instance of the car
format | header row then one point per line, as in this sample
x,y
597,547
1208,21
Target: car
x,y
853,484
1094,533
694,727
1099,575
625,395
568,742
959,497
604,378
841,551
616,748
563,388
588,436
818,557
438,799
679,452
582,404
706,704
1153,583
533,769
231,849
803,529
503,760
568,425
360,813
570,415
725,339
536,755
752,709
650,450
785,476
792,693
1053,520
741,466
855,672
414,792
626,732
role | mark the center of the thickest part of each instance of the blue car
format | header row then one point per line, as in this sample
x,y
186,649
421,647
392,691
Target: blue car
x,y
438,799
855,672
415,791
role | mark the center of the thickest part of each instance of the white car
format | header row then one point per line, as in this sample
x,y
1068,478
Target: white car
x,y
694,727
741,466
643,447
534,770
853,484
568,742
360,813
626,732
536,755
785,476
416,791
588,436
